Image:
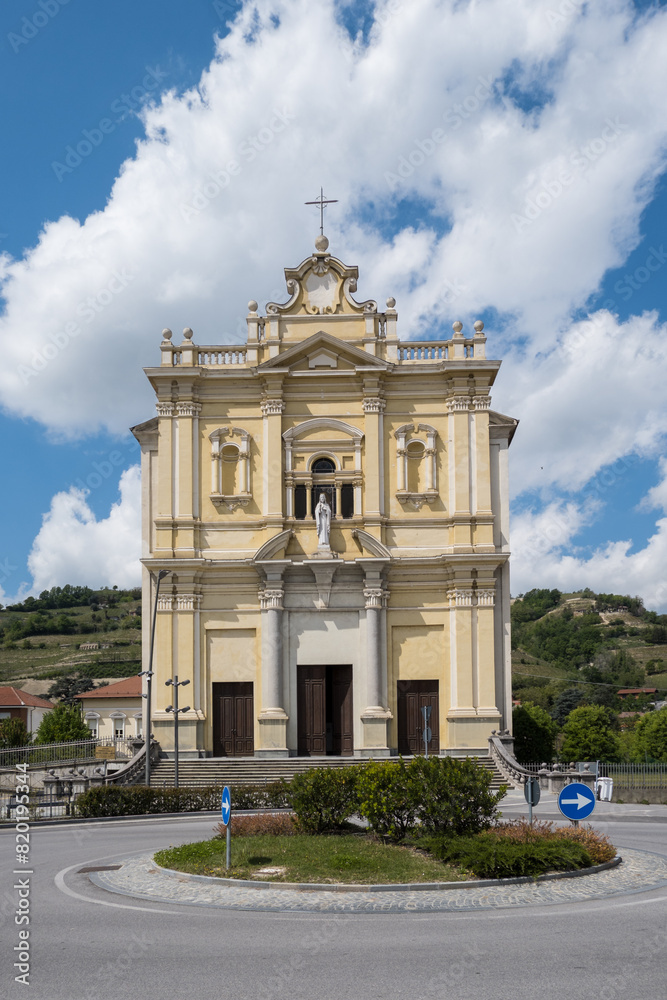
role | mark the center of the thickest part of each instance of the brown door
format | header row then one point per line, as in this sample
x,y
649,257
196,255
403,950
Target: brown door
x,y
233,719
412,696
311,710
341,711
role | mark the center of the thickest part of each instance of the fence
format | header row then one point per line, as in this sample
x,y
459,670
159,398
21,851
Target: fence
x,y
636,775
72,752
42,805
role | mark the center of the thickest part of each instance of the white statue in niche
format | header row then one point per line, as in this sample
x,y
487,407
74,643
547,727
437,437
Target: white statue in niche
x,y
323,521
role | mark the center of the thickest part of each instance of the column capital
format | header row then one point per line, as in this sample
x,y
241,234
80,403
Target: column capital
x,y
165,409
188,408
456,404
482,402
272,407
188,602
375,597
374,404
460,597
271,598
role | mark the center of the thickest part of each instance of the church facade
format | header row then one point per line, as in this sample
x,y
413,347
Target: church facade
x,y
330,504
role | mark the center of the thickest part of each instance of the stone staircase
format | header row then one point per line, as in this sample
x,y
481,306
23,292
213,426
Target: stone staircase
x,y
257,771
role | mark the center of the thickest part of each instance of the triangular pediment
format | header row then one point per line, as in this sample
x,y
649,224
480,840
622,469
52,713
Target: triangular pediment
x,y
323,347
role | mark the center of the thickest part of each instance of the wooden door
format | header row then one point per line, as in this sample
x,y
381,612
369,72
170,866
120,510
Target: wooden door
x,y
311,711
233,719
341,711
412,696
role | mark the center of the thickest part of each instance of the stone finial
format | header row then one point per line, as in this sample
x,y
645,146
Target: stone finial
x,y
167,334
479,326
187,333
252,306
321,244
457,327
391,302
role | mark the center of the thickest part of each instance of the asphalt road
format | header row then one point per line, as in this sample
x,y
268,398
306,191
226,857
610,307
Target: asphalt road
x,y
87,944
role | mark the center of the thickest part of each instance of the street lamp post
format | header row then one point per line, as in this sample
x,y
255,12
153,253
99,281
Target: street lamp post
x,y
149,675
176,710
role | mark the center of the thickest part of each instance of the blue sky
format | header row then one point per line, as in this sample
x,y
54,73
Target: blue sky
x,y
539,208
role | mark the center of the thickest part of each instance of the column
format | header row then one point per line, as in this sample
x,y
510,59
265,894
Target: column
x,y
374,406
272,718
375,717
272,409
459,472
187,483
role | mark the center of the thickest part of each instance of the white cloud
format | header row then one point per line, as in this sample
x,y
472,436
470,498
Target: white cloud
x,y
544,554
537,202
595,398
74,547
185,240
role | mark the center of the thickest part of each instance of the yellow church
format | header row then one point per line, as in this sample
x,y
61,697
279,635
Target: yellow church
x,y
330,503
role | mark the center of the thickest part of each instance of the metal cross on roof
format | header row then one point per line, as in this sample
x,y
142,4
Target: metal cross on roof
x,y
322,201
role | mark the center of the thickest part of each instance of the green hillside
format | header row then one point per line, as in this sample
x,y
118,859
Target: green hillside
x,y
586,645
40,639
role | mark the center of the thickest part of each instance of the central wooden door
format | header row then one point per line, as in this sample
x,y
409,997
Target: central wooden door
x,y
324,711
233,719
412,696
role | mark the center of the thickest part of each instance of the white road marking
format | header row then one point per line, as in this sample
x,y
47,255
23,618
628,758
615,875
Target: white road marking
x,y
60,884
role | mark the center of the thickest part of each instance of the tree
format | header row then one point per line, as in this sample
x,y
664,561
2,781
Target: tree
x,y
13,733
650,737
589,735
534,734
66,688
565,703
63,723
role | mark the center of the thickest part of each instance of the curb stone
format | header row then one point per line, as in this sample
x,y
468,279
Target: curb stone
x,y
139,877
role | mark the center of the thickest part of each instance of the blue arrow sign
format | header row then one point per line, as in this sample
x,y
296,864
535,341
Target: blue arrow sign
x,y
576,801
226,809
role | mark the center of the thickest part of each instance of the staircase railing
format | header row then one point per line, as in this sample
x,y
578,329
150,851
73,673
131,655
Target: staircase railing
x,y
134,768
501,745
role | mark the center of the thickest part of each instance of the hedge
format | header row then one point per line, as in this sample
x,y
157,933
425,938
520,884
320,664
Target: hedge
x,y
136,800
323,798
488,856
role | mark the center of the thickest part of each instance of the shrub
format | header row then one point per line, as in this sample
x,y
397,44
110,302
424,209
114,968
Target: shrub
x,y
489,856
323,798
271,824
441,793
455,795
520,831
388,798
135,800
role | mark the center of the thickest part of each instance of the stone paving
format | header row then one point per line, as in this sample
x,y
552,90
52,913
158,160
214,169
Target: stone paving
x,y
140,877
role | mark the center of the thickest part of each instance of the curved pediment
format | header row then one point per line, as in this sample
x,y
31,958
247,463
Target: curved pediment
x,y
320,424
321,285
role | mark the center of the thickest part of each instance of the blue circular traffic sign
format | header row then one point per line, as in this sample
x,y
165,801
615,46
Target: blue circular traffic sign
x,y
576,801
226,809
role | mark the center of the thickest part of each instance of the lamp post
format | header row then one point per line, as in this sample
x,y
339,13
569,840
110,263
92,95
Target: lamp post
x,y
176,710
149,675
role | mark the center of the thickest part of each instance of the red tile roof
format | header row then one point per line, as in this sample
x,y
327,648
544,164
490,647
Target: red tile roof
x,y
129,688
11,697
637,691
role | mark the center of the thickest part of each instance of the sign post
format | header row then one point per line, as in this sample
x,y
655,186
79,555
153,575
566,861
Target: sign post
x,y
576,801
531,791
226,812
426,732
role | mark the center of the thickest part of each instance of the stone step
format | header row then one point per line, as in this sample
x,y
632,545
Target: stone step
x,y
257,771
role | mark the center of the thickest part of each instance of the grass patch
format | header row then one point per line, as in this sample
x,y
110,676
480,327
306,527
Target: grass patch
x,y
353,858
